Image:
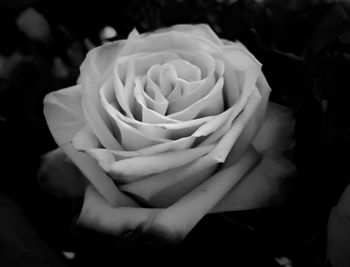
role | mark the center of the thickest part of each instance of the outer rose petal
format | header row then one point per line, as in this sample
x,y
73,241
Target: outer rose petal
x,y
59,175
64,117
176,221
94,70
64,114
277,129
97,214
264,185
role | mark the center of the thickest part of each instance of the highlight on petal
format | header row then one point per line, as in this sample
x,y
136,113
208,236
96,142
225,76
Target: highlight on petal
x,y
142,166
95,115
63,113
102,57
238,68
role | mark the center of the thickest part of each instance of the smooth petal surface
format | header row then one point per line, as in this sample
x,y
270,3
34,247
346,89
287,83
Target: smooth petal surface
x,y
277,129
92,75
265,185
141,166
97,214
176,221
168,186
64,114
64,117
59,176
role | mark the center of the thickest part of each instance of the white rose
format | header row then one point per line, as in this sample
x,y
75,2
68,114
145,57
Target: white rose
x,y
168,126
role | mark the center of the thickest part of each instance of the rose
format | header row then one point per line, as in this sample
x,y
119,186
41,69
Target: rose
x,y
170,120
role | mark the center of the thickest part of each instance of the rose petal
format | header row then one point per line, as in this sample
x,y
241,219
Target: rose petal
x,y
176,221
130,138
164,188
59,176
98,215
151,112
184,70
148,133
224,120
64,114
101,182
92,75
277,129
263,186
237,63
199,91
253,125
85,139
226,143
212,104
156,100
146,165
129,67
64,117
105,157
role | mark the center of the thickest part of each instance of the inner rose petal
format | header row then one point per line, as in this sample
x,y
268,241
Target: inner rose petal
x,y
207,66
202,89
185,70
167,77
127,68
211,104
148,110
204,61
150,132
131,138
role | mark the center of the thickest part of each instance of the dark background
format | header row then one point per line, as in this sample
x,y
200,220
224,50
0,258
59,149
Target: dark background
x,y
304,47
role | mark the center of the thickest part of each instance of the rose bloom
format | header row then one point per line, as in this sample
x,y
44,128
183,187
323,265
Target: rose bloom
x,y
166,127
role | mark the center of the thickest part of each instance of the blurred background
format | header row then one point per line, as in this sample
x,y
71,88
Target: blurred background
x,y
304,47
